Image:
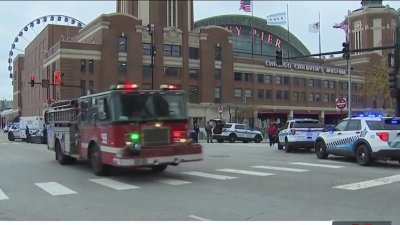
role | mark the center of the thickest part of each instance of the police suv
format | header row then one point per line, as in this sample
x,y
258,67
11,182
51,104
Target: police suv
x,y
299,133
366,138
236,132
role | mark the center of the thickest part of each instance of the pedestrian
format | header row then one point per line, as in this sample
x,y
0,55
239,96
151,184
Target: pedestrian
x,y
27,134
44,134
196,130
209,132
272,133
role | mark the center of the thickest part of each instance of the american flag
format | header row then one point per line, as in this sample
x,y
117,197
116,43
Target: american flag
x,y
245,5
343,25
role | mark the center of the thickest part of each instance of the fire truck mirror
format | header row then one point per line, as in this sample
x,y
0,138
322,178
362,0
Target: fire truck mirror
x,y
102,116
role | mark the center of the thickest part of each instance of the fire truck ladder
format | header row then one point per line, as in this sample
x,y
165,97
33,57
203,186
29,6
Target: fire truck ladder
x,y
62,112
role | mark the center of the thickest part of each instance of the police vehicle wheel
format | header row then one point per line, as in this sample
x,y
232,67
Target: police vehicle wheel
x,y
257,139
11,136
280,147
363,155
320,150
232,138
159,168
96,164
60,157
287,147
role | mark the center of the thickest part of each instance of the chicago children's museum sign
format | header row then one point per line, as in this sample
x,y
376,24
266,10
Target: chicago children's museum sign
x,y
306,67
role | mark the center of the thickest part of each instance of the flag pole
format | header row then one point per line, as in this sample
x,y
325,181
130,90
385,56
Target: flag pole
x,y
319,36
288,30
252,33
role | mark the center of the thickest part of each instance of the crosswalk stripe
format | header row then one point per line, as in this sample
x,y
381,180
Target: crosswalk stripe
x,y
209,175
370,183
173,181
55,188
113,184
317,165
3,196
255,173
281,168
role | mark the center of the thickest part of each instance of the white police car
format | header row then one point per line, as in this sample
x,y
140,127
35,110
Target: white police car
x,y
366,138
299,133
236,132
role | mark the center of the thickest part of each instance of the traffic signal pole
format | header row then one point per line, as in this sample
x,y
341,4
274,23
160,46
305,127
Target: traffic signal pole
x,y
349,97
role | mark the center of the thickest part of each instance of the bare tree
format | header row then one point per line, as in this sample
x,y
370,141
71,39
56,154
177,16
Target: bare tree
x,y
376,84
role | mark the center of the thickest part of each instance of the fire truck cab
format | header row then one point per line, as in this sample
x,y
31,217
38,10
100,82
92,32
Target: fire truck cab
x,y
122,127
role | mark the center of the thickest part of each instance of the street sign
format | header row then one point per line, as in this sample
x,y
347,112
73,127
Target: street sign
x,y
341,103
220,110
45,83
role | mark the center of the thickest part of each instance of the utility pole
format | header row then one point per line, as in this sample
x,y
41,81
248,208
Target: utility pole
x,y
245,108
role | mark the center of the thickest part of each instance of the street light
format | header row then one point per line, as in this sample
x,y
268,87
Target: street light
x,y
150,30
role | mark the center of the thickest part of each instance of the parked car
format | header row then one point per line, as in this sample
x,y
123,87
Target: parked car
x,y
6,128
37,137
236,132
13,132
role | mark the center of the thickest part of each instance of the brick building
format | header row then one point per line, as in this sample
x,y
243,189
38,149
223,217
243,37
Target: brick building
x,y
209,59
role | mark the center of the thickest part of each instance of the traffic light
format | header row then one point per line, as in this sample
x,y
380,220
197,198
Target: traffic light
x,y
346,50
279,57
392,81
32,81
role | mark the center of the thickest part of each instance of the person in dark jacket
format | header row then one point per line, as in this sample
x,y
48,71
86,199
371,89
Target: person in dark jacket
x,y
27,134
197,130
209,132
44,134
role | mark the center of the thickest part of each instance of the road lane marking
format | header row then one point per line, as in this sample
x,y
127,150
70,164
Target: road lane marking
x,y
55,188
209,175
337,162
3,196
255,173
317,165
116,185
370,183
198,218
173,181
281,169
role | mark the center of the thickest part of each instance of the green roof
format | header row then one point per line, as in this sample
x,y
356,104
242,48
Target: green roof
x,y
258,23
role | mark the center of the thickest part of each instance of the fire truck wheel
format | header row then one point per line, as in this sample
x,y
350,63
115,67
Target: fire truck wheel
x,y
60,157
96,164
11,136
159,168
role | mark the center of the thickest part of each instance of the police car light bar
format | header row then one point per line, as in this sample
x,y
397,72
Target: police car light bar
x,y
168,87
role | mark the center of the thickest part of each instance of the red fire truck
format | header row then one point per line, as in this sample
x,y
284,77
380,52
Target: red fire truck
x,y
122,127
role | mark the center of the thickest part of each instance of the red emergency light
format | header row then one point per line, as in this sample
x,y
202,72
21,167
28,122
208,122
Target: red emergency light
x,y
169,87
127,86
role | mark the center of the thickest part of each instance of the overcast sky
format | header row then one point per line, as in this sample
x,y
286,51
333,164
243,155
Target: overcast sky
x,y
16,14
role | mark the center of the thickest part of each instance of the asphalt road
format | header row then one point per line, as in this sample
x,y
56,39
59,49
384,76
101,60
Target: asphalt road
x,y
234,182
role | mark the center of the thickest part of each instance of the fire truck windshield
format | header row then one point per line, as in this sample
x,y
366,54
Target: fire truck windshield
x,y
131,106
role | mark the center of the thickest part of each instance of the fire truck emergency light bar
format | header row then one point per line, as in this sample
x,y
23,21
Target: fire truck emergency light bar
x,y
124,87
168,87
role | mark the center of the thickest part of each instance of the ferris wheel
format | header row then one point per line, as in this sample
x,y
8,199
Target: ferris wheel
x,y
24,37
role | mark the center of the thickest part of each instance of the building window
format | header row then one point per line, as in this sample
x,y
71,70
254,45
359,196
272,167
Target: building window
x,y
217,95
295,81
193,53
268,79
122,68
326,83
83,65
268,94
332,84
217,74
238,76
172,71
248,93
172,50
238,93
278,79
248,76
146,70
194,94
218,53
83,87
317,97
260,94
285,80
311,83
194,73
318,83
357,35
146,49
311,97
279,95
326,97
333,98
302,82
302,97
91,66
91,86
122,44
296,96
260,78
